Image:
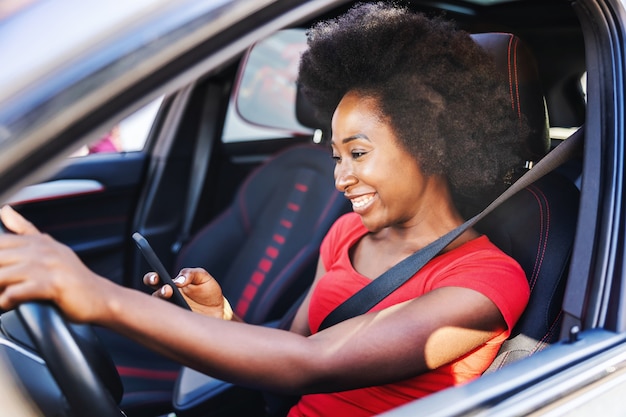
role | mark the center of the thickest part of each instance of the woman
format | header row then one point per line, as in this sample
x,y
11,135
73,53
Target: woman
x,y
408,139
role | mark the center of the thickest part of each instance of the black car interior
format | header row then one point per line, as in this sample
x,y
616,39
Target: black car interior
x,y
535,226
260,238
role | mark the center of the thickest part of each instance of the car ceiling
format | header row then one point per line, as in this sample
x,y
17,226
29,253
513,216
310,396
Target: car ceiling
x,y
561,61
550,27
552,30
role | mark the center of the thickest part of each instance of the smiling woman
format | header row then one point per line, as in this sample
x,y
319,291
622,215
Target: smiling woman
x,y
396,170
366,150
429,99
418,340
245,190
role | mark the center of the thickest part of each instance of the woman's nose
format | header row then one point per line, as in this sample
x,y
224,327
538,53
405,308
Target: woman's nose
x,y
344,177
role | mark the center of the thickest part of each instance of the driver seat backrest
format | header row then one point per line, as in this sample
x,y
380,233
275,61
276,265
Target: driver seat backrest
x,y
536,226
263,249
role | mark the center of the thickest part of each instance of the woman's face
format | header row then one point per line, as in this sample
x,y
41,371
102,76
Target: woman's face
x,y
381,179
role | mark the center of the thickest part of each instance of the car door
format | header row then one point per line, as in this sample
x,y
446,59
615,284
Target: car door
x,y
89,203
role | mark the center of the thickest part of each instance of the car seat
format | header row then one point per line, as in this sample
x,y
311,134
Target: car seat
x,y
262,249
537,225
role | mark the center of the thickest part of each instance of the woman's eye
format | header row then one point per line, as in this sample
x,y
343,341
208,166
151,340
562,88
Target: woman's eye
x,y
353,154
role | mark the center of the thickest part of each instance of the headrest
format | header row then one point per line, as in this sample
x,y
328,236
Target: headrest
x,y
305,112
515,60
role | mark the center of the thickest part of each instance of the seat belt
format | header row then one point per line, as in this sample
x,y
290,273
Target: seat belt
x,y
374,292
201,158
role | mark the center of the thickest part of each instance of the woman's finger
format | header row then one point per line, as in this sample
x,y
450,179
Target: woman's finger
x,y
195,276
16,223
165,292
151,279
20,292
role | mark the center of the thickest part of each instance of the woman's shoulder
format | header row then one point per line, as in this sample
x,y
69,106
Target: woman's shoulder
x,y
483,255
482,266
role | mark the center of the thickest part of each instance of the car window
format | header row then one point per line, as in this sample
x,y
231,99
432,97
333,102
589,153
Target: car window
x,y
263,101
563,132
128,135
262,106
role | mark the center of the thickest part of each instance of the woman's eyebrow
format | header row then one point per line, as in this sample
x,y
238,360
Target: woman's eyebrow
x,y
355,137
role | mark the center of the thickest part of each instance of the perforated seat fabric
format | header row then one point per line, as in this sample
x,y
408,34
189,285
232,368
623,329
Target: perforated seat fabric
x,y
263,250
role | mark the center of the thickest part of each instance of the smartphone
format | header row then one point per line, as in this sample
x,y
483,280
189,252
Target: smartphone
x,y
155,263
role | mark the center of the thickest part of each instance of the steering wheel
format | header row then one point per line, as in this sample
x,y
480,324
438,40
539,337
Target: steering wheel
x,y
82,368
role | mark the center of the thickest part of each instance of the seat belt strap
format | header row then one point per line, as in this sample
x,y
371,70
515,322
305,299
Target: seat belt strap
x,y
374,292
201,158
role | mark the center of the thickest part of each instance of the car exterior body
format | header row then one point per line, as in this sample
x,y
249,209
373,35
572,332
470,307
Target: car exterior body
x,y
73,70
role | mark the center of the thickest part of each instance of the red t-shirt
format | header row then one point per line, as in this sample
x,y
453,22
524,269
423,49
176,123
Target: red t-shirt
x,y
477,265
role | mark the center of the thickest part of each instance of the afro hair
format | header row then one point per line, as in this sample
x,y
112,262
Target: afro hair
x,y
437,88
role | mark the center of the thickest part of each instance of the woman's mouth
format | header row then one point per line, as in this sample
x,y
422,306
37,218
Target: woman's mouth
x,y
361,202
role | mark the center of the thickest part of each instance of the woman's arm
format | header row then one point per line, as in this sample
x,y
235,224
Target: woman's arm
x,y
390,345
394,344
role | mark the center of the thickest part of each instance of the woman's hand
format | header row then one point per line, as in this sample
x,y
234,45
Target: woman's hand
x,y
198,287
34,266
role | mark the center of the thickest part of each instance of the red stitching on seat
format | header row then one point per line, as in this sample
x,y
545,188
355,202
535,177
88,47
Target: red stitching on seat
x,y
242,307
510,72
265,265
146,373
544,226
541,344
257,277
250,291
517,95
513,75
